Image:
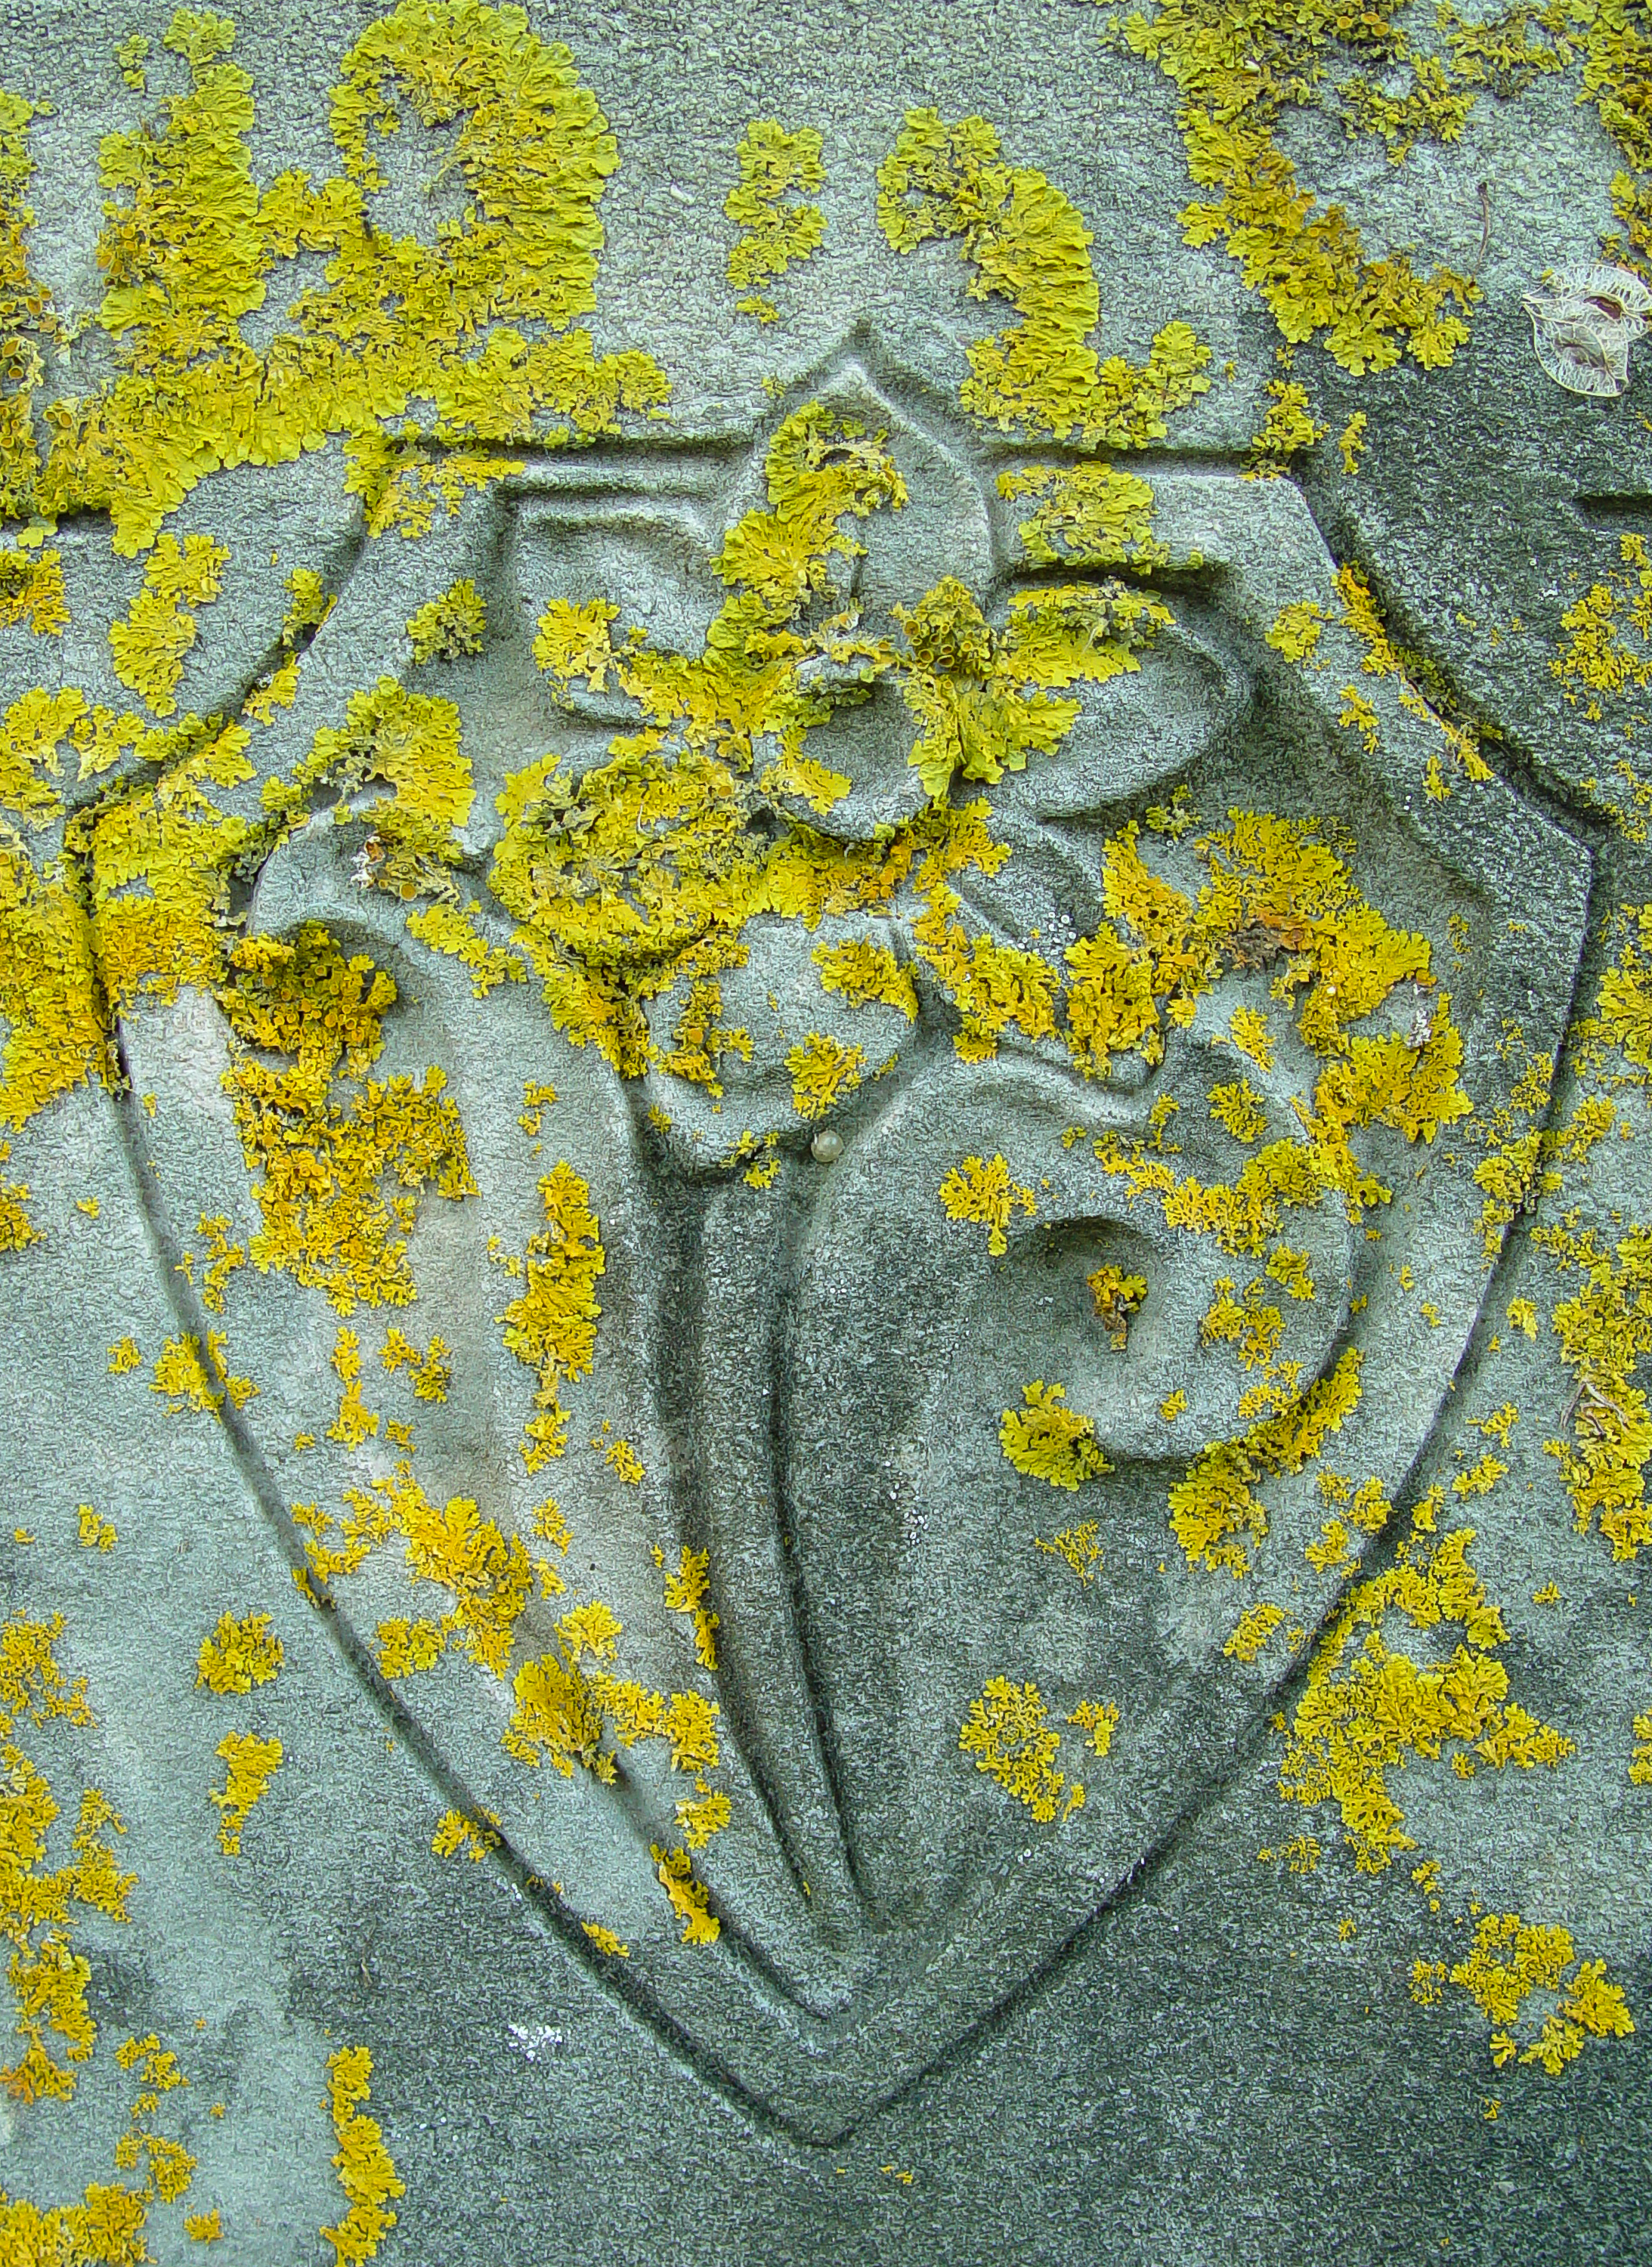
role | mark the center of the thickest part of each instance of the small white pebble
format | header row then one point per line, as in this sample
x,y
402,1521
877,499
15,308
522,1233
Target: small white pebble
x,y
827,1147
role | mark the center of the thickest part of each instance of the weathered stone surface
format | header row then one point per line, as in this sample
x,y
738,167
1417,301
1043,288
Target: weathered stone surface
x,y
1244,974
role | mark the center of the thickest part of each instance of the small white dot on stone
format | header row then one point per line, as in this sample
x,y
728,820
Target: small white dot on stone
x,y
827,1147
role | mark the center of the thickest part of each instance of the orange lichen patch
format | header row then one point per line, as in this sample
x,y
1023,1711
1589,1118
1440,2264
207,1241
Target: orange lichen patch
x,y
328,1219
240,1653
985,1193
253,1763
686,1594
551,1327
1009,1733
366,2170
1049,1441
690,1899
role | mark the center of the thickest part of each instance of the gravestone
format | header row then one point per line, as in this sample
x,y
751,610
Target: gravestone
x,y
825,958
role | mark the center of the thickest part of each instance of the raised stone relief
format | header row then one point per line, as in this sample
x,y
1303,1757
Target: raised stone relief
x,y
839,1108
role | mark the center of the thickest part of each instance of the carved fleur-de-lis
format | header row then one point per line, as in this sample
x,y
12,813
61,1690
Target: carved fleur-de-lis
x,y
1584,323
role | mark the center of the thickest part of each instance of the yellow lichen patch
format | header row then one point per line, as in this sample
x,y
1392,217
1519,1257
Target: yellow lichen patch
x,y
48,1977
823,1071
240,1653
865,973
1217,1502
1099,1719
690,1899
621,1457
1235,74
407,1648
1173,1405
366,2170
150,645
556,1716
1240,1108
686,1594
985,1195
1049,1441
986,700
490,1575
605,1940
328,1219
1288,427
1088,515
1118,1297
475,1837
446,628
1510,1959
397,320
355,1424
94,1533
179,1376
1460,742
1351,442
1252,1631
1031,248
1640,1762
203,2227
32,591
1009,1733
124,1357
551,1327
1078,1546
1605,1331
1608,651
700,1817
431,1371
252,1763
1248,1031
1363,1712
777,227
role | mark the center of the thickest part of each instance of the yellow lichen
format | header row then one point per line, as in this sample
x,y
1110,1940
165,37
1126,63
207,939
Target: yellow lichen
x,y
1253,1630
551,1327
366,2170
1009,1733
1049,1441
689,1898
1078,1546
1099,1719
240,1653
252,1763
984,1194
777,228
1118,1297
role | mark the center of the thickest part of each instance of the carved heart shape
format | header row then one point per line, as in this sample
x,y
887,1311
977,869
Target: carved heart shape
x,y
815,1365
